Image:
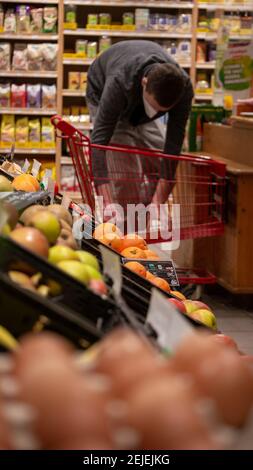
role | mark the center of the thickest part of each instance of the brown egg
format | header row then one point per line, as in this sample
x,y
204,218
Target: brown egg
x,y
166,416
220,374
127,359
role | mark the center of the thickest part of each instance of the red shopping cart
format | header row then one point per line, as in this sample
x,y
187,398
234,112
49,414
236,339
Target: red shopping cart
x,y
195,184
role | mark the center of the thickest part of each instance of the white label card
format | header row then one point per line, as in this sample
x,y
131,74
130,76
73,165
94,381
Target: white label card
x,y
112,267
35,168
50,188
170,326
66,201
25,166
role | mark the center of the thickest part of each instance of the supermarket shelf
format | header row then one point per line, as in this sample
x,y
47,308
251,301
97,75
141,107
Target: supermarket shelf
x,y
126,3
28,151
27,74
203,97
29,111
66,160
67,92
221,6
129,34
206,65
82,126
78,61
30,37
213,36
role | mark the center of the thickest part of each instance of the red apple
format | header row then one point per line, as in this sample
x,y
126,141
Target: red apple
x,y
226,340
201,305
178,304
98,286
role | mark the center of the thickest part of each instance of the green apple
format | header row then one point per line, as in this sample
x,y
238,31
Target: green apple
x,y
93,273
206,317
190,306
59,253
75,269
89,259
48,224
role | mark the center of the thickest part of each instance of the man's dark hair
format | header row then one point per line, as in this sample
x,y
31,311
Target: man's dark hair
x,y
166,82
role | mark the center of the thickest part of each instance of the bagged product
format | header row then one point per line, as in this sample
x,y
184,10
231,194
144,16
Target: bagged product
x,y
5,93
34,132
83,81
74,80
33,96
49,56
7,129
18,96
34,56
19,60
22,131
47,133
37,20
48,96
5,56
23,19
10,25
184,23
1,18
50,15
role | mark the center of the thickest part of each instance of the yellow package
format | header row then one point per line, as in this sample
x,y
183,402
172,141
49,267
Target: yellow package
x,y
7,130
22,132
34,133
83,81
47,134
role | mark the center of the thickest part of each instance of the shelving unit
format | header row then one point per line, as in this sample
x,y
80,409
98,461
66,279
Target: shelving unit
x,y
28,111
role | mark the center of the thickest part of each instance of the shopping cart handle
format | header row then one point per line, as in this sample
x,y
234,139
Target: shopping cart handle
x,y
65,127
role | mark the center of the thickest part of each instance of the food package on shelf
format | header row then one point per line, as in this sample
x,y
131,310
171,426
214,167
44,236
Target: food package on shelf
x,y
47,133
73,80
19,60
34,133
49,56
5,94
7,130
34,96
83,81
34,56
18,96
22,132
184,51
23,19
36,20
5,56
10,24
48,96
184,24
50,16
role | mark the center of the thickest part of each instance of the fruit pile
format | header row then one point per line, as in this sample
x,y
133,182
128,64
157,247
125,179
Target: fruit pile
x,y
124,396
23,182
47,232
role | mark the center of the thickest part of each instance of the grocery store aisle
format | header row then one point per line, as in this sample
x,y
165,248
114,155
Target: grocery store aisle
x,y
235,317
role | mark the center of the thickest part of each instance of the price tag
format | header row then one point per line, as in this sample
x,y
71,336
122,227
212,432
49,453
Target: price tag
x,y
112,267
66,201
35,168
47,175
25,166
170,326
50,188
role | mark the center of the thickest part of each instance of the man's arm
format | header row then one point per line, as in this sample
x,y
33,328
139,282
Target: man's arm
x,y
178,117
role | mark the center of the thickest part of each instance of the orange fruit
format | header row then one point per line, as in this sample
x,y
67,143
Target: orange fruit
x,y
108,238
26,183
133,252
105,228
162,283
149,276
178,294
136,267
151,255
132,239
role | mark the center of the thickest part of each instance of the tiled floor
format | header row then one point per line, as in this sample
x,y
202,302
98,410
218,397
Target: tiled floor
x,y
234,320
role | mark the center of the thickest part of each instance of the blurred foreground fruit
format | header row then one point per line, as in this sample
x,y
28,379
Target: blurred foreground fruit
x,y
102,229
136,267
75,269
5,184
178,304
48,224
59,253
133,252
206,317
32,239
61,213
162,283
87,258
26,183
98,286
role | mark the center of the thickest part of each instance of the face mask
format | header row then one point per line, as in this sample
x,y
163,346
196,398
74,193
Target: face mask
x,y
150,112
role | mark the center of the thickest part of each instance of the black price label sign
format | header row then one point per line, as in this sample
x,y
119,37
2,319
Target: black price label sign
x,y
21,199
164,269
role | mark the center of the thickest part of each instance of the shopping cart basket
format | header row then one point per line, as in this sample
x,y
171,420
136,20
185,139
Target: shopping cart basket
x,y
194,185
